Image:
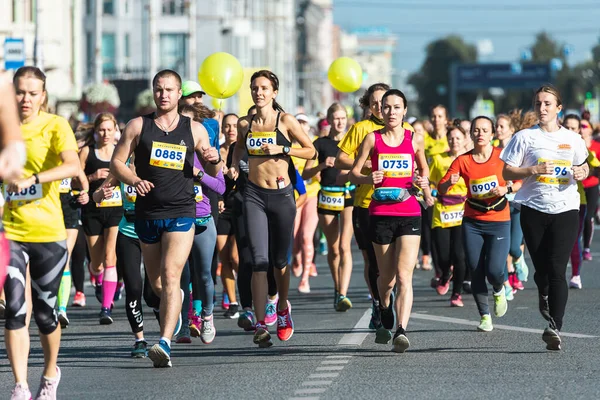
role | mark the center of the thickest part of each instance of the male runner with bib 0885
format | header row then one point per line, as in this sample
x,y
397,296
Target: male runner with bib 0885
x,y
164,144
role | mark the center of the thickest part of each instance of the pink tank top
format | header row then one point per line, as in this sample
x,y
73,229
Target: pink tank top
x,y
398,166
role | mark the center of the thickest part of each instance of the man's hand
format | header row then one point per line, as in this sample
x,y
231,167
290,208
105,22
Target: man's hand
x,y
143,187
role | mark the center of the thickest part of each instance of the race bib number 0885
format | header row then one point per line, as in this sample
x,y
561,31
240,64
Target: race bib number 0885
x,y
166,155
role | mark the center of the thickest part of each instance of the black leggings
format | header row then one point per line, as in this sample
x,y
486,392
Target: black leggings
x,y
550,239
46,265
78,259
591,195
448,243
129,260
244,277
360,223
269,216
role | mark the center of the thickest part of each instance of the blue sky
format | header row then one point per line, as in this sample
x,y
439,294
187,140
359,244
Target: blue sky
x,y
510,25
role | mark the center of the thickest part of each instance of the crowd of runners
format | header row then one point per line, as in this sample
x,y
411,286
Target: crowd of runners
x,y
158,211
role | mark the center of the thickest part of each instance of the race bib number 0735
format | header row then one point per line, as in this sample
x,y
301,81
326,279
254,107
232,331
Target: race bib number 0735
x,y
395,165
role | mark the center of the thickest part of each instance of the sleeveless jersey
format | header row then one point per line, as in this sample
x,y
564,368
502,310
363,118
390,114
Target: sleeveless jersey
x,y
167,161
397,164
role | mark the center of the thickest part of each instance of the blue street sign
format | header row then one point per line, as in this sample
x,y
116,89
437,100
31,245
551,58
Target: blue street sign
x,y
506,76
14,53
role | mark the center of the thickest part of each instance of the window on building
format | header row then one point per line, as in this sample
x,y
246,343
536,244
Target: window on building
x,y
89,48
173,52
126,46
89,7
109,53
173,7
108,7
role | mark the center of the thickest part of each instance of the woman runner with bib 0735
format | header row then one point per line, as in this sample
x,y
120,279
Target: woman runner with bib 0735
x,y
550,159
269,206
395,213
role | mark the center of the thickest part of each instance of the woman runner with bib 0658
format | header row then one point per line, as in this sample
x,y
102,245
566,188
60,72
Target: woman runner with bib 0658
x,y
549,159
395,213
269,206
34,223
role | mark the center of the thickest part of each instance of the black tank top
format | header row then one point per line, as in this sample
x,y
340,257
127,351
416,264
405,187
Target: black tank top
x,y
166,160
256,139
93,164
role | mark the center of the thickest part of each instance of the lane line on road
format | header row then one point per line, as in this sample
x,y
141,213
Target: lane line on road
x,y
460,321
317,383
334,362
331,368
325,375
358,333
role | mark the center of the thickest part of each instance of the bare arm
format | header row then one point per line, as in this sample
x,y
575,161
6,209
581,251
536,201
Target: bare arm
x,y
239,149
343,161
307,151
423,170
312,168
208,156
364,152
68,169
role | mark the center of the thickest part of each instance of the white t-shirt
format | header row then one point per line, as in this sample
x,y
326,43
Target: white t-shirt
x,y
552,193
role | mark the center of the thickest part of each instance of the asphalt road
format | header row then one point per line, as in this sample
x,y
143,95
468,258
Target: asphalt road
x,y
333,356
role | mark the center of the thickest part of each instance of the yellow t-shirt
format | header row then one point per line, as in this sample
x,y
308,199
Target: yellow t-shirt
x,y
434,147
446,216
312,185
350,145
593,163
36,216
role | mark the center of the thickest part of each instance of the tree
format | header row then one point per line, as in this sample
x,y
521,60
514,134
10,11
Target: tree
x,y
432,81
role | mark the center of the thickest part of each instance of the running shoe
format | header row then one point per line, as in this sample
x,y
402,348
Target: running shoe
x,y
509,292
435,281
195,326
522,269
105,316
304,286
387,317
575,282
271,312
62,318
485,325
119,292
383,335
375,322
552,339
48,387
544,307
456,300
140,349
285,324
20,392
336,298
500,303
516,284
232,312
442,288
225,301
183,336
2,309
400,342
98,292
78,300
262,337
587,255
323,246
160,354
247,321
208,332
343,304
467,287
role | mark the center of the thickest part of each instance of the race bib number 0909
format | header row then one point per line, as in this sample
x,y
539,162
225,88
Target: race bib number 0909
x,y
395,165
256,139
481,188
166,155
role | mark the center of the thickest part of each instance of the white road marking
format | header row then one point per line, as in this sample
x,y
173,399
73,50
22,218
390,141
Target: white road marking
x,y
358,333
333,362
317,383
459,321
310,391
331,368
326,375
340,356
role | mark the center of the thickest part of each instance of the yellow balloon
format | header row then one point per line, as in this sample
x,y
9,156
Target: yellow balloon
x,y
218,104
220,75
345,75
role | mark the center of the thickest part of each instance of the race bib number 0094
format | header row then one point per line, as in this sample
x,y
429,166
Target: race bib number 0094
x,y
166,155
332,201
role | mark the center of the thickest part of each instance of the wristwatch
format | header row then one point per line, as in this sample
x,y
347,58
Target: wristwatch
x,y
200,176
509,189
286,150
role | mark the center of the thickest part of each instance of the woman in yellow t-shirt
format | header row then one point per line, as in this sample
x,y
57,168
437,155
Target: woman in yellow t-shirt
x,y
446,224
33,222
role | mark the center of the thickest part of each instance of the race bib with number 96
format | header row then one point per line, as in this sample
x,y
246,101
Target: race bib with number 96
x,y
166,155
561,174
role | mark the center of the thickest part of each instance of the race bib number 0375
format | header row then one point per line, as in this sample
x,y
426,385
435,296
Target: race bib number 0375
x,y
166,155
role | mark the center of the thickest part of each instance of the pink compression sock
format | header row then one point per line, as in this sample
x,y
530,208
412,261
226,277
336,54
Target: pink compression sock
x,y
109,286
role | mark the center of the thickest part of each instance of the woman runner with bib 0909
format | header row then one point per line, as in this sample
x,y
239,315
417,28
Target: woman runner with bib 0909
x,y
486,221
549,159
269,206
395,213
34,223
